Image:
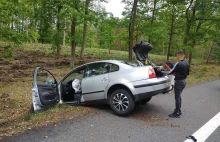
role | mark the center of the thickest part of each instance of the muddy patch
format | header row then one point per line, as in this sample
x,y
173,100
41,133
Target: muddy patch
x,y
22,65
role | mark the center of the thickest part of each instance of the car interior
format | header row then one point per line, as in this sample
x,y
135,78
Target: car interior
x,y
68,93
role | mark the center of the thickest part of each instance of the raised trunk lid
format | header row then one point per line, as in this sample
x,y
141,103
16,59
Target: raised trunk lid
x,y
141,50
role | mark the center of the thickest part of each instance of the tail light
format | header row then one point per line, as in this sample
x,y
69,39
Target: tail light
x,y
152,73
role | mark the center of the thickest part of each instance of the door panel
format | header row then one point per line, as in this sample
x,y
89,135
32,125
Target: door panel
x,y
48,94
94,85
44,90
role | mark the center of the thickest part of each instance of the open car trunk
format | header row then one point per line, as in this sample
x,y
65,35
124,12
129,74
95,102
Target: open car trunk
x,y
141,51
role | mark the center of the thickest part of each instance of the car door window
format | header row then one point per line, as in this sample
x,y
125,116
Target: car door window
x,y
44,77
79,73
114,67
98,69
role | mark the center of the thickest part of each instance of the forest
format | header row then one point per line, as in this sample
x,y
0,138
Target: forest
x,y
169,25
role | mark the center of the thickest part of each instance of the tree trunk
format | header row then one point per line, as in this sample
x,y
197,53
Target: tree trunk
x,y
64,33
194,42
73,43
188,23
131,28
84,29
152,18
100,35
22,24
58,33
210,52
171,34
12,23
26,27
187,34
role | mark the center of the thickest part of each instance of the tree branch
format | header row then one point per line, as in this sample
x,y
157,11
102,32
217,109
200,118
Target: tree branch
x,y
187,10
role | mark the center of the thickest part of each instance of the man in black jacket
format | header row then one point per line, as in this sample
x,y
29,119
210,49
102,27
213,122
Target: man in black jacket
x,y
181,71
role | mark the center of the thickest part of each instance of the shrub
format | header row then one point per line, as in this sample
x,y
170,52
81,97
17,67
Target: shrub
x,y
205,68
7,52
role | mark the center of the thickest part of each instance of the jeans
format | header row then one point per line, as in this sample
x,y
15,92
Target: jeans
x,y
178,88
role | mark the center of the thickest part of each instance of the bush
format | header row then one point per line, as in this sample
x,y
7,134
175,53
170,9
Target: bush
x,y
205,68
6,52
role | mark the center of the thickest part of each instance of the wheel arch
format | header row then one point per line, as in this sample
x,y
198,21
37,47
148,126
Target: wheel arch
x,y
118,86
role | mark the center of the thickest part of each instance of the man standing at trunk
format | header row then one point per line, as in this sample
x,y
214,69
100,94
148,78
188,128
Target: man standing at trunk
x,y
181,70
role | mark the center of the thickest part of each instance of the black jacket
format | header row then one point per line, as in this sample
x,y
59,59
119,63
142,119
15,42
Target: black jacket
x,y
181,70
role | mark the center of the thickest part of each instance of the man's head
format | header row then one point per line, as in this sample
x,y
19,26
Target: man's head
x,y
180,55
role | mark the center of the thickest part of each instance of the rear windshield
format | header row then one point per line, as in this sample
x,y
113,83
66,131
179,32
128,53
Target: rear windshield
x,y
130,63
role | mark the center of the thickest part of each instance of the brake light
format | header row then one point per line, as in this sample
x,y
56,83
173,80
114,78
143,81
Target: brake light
x,y
152,73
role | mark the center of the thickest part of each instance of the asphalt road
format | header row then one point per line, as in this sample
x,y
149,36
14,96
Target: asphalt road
x,y
148,123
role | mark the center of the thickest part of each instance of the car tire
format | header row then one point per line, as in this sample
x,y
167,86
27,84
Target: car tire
x,y
144,101
121,102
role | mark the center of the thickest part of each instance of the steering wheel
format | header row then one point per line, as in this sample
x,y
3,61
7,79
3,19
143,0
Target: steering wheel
x,y
68,84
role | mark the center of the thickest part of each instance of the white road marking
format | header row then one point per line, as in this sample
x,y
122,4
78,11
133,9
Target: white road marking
x,y
206,130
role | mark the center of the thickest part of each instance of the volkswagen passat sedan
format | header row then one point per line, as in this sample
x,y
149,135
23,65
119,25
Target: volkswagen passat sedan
x,y
118,83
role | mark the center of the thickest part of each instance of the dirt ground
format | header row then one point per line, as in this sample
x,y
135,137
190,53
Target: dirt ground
x,y
15,91
23,63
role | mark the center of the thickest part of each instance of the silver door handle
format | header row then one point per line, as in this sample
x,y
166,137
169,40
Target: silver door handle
x,y
105,79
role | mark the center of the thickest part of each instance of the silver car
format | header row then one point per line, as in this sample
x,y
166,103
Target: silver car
x,y
118,83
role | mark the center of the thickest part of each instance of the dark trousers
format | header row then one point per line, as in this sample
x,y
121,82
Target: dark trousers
x,y
178,88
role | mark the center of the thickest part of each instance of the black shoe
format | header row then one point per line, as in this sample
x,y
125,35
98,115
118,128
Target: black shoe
x,y
180,112
175,115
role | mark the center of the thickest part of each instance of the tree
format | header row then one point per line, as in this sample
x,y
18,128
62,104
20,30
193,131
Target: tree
x,y
153,15
58,34
84,28
172,11
131,28
198,13
73,33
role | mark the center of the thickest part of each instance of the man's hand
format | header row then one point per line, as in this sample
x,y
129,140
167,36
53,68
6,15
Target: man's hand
x,y
158,69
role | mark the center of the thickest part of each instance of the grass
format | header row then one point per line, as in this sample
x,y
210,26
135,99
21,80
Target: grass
x,y
201,73
14,110
101,53
15,117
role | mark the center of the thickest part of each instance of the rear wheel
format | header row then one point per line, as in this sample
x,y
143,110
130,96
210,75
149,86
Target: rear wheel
x,y
144,101
122,102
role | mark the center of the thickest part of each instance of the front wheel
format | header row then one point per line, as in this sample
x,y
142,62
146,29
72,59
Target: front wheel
x,y
122,102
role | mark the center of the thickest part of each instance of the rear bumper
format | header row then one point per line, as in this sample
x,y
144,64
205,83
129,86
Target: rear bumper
x,y
142,96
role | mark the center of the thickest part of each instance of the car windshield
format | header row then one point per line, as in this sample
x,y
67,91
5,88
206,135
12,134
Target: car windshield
x,y
130,63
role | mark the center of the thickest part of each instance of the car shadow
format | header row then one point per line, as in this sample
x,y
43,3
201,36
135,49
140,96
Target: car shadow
x,y
147,112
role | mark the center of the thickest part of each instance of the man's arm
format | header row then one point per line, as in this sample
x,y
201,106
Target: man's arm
x,y
171,71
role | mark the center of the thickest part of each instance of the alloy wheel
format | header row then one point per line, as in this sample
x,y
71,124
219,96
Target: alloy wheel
x,y
120,102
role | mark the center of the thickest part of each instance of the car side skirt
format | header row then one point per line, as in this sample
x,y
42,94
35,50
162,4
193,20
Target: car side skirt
x,y
97,102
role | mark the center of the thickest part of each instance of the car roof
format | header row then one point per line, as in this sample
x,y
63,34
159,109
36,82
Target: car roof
x,y
108,61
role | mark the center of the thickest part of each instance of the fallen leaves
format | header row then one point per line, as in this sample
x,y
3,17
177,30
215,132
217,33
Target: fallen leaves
x,y
174,126
6,95
45,136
